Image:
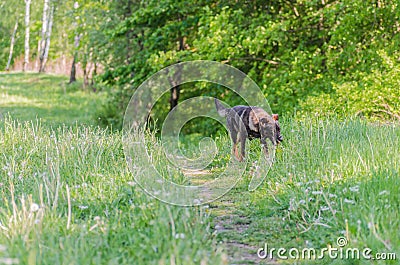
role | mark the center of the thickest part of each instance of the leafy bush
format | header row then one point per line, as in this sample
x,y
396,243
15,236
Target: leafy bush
x,y
372,95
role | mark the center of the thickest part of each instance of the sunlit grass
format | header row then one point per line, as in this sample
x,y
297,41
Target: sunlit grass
x,y
29,96
67,197
330,179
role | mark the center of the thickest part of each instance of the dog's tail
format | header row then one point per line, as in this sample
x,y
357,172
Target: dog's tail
x,y
222,110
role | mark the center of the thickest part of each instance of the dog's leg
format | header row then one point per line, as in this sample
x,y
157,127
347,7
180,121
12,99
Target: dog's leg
x,y
242,146
234,137
236,153
264,147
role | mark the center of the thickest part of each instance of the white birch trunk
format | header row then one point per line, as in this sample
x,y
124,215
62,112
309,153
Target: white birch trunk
x,y
12,45
27,33
48,38
45,21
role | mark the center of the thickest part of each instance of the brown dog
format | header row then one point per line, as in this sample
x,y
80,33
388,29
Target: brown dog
x,y
250,122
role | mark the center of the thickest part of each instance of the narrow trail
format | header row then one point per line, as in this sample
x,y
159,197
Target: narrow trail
x,y
227,222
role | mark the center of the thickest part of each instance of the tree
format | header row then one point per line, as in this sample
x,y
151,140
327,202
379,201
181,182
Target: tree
x,y
12,45
27,33
47,20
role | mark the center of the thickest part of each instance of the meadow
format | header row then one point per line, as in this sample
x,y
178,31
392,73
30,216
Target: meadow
x,y
67,196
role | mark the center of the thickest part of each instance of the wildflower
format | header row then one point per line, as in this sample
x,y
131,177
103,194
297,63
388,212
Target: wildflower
x,y
383,192
324,208
317,192
349,201
354,189
332,195
180,235
34,207
83,207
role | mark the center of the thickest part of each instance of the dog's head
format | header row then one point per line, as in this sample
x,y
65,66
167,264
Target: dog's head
x,y
268,126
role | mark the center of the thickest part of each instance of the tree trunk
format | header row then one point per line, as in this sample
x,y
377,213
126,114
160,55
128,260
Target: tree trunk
x,y
93,76
45,22
176,90
72,76
27,33
48,37
12,45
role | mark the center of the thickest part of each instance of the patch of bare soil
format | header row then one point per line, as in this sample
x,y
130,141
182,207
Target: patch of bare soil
x,y
227,222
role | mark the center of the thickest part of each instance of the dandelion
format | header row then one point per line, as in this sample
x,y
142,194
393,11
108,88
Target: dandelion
x,y
349,201
131,183
34,207
324,208
316,192
354,189
383,192
180,235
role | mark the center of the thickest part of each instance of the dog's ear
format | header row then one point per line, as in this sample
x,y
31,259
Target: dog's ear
x,y
275,117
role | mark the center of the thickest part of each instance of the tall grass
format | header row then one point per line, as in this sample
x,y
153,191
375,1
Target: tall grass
x,y
331,178
67,198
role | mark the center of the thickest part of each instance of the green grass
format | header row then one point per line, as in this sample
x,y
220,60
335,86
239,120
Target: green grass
x,y
47,97
330,179
67,197
90,211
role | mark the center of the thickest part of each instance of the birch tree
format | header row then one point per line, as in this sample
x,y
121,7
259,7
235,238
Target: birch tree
x,y
48,38
27,33
12,44
47,21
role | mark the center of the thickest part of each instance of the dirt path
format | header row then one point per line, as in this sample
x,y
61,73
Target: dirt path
x,y
227,223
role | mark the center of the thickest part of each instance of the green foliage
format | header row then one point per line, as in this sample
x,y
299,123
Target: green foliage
x,y
372,95
298,53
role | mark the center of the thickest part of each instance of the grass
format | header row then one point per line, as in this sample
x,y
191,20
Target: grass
x,y
67,197
330,179
27,96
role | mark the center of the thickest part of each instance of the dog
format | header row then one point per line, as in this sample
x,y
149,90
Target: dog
x,y
250,122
